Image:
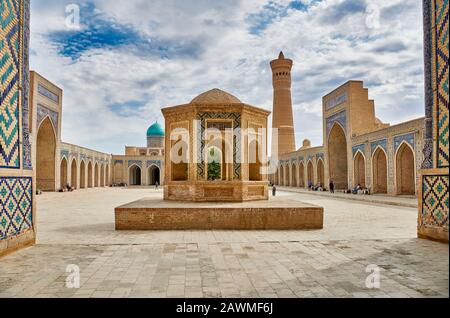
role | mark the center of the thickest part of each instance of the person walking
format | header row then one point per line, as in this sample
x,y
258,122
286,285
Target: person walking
x,y
156,185
274,191
331,186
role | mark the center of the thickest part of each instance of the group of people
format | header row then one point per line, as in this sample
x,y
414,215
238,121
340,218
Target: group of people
x,y
318,187
360,190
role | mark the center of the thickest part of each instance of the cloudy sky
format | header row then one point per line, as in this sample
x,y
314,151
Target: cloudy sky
x,y
126,59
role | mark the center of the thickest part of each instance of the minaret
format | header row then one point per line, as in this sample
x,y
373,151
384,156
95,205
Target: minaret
x,y
283,118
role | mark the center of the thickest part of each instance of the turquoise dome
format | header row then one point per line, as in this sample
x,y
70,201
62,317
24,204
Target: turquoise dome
x,y
155,130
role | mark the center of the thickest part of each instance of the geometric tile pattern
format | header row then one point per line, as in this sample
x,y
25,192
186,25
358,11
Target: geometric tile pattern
x,y
435,201
154,163
337,101
15,206
201,165
43,112
340,118
65,153
441,12
26,139
380,143
409,138
10,45
135,163
360,148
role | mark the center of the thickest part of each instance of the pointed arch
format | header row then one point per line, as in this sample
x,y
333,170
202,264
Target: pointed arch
x,y
107,173
74,174
405,169
320,172
135,173
359,169
46,156
379,170
154,175
301,174
83,175
337,155
294,178
102,175
310,172
90,176
282,175
64,167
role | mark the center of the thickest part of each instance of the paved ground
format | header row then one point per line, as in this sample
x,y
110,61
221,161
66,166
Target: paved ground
x,y
78,228
404,200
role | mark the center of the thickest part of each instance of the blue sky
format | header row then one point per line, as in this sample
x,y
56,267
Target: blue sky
x,y
128,59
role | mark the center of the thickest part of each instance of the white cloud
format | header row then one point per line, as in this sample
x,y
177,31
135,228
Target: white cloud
x,y
326,54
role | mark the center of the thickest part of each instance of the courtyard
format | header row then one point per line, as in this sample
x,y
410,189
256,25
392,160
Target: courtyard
x,y
78,229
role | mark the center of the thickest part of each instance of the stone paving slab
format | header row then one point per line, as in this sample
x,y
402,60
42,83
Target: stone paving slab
x,y
408,268
87,217
78,229
404,201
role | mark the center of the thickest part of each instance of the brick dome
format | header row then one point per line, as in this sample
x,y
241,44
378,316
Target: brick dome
x,y
216,96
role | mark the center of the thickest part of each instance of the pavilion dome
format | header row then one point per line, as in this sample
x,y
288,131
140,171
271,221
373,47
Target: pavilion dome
x,y
216,96
155,130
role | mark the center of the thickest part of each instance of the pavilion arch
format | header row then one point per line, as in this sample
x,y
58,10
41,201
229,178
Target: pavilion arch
x,y
301,171
102,175
379,171
405,170
359,169
96,175
82,175
64,168
74,174
135,173
154,175
310,172
337,154
321,172
46,156
90,172
294,179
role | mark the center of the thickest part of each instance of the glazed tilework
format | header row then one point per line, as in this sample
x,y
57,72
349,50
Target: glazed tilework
x,y
435,201
15,206
340,118
409,138
361,148
201,165
441,12
43,112
380,143
10,63
157,163
26,139
135,163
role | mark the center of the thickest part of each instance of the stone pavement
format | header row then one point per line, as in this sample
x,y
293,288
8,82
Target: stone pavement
x,y
405,200
78,228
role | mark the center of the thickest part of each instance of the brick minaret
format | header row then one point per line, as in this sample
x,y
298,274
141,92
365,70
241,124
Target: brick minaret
x,y
283,118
